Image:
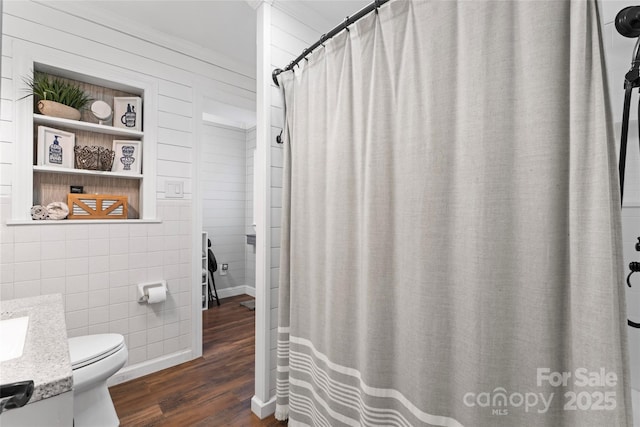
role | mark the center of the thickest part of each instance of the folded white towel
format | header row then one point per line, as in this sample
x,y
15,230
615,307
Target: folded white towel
x,y
58,210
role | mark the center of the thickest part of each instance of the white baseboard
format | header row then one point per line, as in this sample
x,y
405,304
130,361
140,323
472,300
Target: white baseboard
x,y
263,409
236,290
138,370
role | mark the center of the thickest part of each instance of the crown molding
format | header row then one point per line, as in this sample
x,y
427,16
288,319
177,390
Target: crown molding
x,y
84,10
255,4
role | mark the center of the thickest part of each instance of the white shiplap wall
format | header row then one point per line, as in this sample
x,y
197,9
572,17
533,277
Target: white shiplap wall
x,y
223,177
175,73
96,266
618,51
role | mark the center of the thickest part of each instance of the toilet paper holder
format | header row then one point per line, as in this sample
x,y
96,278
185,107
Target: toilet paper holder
x,y
143,289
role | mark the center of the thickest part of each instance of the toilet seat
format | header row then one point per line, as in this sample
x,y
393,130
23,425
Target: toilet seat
x,y
89,349
94,359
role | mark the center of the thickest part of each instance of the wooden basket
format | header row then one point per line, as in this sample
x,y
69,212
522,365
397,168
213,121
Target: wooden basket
x,y
97,206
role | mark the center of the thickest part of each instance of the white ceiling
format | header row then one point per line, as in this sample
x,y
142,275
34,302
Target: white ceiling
x,y
221,29
226,27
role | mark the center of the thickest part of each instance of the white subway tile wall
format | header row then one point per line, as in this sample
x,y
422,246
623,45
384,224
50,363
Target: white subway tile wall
x,y
100,290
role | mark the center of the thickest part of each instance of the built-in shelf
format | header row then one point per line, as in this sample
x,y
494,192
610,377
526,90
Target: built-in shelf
x,y
37,184
104,174
83,221
91,127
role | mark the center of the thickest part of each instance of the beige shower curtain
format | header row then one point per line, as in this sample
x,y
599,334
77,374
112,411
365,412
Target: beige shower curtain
x,y
450,246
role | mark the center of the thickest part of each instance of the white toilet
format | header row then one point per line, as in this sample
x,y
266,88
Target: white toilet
x,y
95,358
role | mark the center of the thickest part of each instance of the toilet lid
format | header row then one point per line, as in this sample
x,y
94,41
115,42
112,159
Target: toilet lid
x,y
91,348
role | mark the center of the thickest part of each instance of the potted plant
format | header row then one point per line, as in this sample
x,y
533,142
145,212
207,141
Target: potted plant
x,y
57,97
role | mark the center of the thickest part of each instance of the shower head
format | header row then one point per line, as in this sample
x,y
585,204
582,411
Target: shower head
x,y
628,21
628,25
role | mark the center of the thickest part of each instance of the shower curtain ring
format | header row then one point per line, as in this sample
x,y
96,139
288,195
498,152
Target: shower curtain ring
x,y
377,5
323,39
346,24
279,137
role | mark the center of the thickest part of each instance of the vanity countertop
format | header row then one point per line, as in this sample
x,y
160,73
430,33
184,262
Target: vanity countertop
x,y
45,358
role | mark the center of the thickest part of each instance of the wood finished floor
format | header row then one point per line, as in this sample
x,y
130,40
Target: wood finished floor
x,y
213,390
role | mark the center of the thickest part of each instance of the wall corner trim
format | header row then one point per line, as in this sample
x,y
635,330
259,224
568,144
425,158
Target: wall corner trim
x,y
262,197
263,409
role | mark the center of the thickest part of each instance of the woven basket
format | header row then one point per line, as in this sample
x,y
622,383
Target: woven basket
x,y
94,158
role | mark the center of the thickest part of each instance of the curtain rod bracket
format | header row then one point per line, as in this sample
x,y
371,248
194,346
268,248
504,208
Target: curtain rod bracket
x,y
274,76
375,5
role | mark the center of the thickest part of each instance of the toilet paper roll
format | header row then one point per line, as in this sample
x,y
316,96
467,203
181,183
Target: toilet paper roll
x,y
156,295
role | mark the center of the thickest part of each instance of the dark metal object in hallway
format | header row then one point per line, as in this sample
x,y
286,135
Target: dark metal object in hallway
x,y
213,266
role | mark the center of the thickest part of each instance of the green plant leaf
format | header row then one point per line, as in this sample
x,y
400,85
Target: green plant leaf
x,y
51,88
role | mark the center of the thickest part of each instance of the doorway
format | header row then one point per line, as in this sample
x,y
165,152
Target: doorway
x,y
226,182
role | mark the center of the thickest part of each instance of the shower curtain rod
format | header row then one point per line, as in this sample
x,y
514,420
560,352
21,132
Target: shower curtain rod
x,y
343,26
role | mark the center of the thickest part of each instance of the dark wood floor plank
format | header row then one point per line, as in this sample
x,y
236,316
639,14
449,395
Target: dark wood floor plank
x,y
213,390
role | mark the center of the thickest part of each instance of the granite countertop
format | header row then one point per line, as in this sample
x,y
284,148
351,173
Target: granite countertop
x,y
45,357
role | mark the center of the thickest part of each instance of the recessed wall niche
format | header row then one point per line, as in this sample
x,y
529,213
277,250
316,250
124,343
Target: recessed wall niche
x,y
51,184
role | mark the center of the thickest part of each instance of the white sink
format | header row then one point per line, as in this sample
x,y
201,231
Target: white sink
x,y
12,335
